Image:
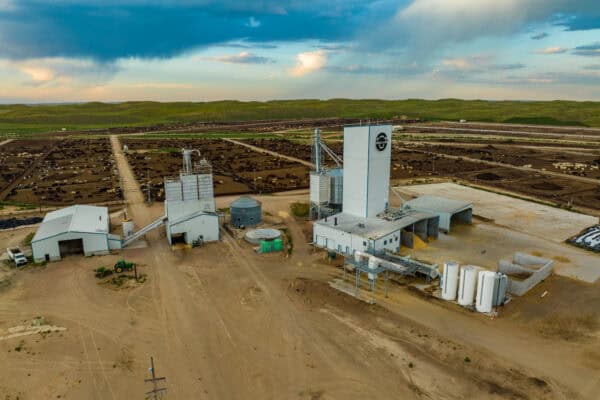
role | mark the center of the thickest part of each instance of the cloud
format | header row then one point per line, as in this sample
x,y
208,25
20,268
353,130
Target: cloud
x,y
111,29
243,58
551,50
309,62
476,64
540,36
59,70
590,50
253,23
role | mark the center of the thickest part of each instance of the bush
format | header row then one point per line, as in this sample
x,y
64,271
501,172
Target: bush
x,y
103,272
300,210
27,240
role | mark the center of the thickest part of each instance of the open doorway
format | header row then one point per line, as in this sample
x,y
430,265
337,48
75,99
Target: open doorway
x,y
70,247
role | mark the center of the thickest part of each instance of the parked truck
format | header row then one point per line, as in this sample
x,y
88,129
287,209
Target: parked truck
x,y
17,256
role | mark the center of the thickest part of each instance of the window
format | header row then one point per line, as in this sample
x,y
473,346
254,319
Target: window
x,y
384,242
396,238
365,244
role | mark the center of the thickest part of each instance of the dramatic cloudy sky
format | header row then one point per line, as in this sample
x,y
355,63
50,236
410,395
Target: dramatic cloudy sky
x,y
113,50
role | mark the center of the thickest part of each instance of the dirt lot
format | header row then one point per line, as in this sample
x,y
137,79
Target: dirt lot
x,y
224,322
17,156
236,169
75,171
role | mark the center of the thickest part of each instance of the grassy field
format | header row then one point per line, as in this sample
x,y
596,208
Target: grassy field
x,y
26,119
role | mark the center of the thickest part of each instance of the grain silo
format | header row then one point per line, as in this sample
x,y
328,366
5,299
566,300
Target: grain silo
x,y
245,211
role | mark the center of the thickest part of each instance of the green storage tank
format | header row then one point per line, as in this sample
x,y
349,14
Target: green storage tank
x,y
266,247
277,245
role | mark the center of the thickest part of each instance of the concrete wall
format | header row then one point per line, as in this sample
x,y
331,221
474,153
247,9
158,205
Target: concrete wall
x,y
205,225
93,244
525,264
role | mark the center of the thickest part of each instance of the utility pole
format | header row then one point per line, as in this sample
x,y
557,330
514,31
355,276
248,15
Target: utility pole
x,y
156,392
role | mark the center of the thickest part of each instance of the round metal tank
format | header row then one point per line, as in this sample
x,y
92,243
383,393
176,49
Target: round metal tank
x,y
450,280
336,194
245,211
128,228
467,285
256,236
485,291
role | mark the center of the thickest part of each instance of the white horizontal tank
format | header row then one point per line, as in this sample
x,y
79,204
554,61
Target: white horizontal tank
x,y
485,291
373,264
467,285
450,280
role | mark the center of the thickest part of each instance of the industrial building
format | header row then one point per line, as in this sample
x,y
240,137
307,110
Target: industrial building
x,y
190,214
364,221
450,211
77,229
244,212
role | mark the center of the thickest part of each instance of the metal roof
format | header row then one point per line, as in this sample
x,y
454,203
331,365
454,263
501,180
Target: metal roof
x,y
438,204
245,202
372,228
78,218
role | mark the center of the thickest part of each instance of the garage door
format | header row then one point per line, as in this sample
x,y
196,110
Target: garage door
x,y
69,247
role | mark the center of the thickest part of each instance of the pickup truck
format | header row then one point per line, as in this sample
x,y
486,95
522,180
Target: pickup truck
x,y
17,256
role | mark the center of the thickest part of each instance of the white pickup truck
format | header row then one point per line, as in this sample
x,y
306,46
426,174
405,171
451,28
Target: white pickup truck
x,y
17,256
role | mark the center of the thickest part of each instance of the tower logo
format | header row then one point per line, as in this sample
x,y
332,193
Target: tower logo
x,y
381,141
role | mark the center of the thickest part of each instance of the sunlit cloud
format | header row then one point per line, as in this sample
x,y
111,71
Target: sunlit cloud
x,y
552,50
309,62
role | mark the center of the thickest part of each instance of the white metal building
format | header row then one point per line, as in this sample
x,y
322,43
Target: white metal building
x,y
188,222
190,204
78,229
346,233
450,211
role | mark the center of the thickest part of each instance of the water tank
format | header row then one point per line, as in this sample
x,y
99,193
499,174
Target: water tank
x,y
336,193
485,291
467,285
373,264
245,211
450,280
128,228
319,188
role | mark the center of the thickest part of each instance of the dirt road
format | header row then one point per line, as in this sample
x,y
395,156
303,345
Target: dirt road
x,y
2,143
273,153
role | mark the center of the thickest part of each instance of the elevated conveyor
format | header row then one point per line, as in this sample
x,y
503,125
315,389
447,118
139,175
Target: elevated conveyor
x,y
153,225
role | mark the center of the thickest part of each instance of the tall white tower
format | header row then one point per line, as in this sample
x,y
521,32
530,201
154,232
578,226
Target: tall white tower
x,y
367,158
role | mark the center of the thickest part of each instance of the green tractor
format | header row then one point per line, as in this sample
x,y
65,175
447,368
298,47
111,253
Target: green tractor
x,y
123,265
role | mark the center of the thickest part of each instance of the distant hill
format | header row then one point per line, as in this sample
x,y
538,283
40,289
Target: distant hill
x,y
43,118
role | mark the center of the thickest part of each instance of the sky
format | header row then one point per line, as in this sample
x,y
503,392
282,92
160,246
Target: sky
x,y
203,50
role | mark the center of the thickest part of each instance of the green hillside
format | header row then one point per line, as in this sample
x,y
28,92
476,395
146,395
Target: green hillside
x,y
43,118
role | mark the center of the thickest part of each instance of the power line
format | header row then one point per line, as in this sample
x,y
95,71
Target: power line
x,y
156,392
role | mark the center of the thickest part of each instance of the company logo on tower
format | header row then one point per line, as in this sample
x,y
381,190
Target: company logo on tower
x,y
381,141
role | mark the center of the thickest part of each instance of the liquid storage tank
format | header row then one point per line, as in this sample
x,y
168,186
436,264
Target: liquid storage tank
x,y
485,291
373,264
450,280
245,211
467,285
500,288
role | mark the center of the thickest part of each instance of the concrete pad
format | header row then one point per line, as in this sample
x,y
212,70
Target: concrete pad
x,y
516,214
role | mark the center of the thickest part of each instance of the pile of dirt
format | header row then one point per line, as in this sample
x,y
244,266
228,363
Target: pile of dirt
x,y
16,222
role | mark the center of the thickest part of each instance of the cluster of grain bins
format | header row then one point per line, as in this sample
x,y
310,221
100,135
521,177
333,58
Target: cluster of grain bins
x,y
469,284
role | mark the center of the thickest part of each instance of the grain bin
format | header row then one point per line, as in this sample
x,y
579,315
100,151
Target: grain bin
x,y
319,188
245,211
450,280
